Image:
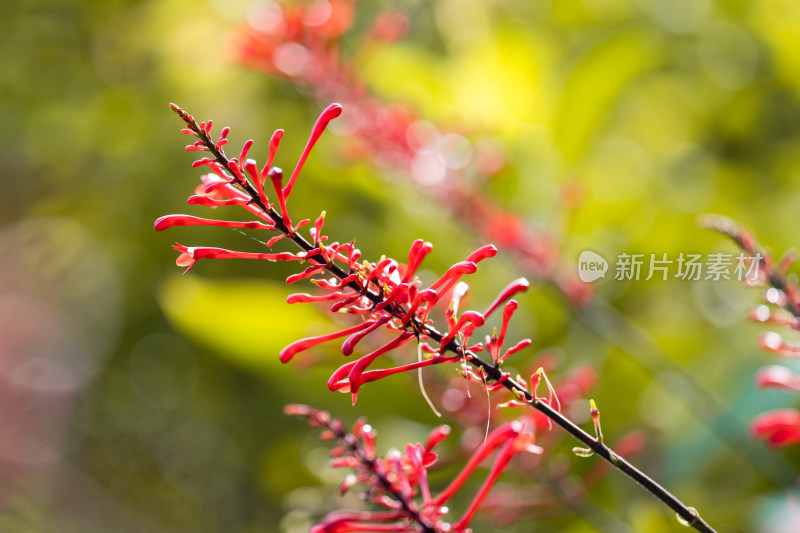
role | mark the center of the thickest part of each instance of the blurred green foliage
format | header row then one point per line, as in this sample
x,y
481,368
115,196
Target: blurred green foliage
x,y
159,396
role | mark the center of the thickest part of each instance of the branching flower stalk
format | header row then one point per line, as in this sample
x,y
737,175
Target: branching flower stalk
x,y
781,308
394,481
301,42
385,294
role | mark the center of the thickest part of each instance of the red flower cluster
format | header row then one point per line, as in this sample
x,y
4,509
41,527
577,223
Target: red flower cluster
x,y
781,308
387,295
301,42
399,482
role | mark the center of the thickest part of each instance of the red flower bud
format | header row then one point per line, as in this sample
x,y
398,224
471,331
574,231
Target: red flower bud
x,y
304,344
778,376
187,220
330,113
780,427
314,298
485,251
419,249
455,272
350,344
189,256
208,201
473,317
518,285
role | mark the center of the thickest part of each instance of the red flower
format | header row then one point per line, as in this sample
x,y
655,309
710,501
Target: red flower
x,y
778,376
779,427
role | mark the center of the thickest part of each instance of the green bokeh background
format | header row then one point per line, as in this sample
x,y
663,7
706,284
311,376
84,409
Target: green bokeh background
x,y
136,399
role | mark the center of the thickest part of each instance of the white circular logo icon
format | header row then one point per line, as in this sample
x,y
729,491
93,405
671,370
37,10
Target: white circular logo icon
x,y
591,266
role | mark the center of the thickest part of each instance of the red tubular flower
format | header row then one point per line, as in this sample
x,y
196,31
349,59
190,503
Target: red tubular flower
x,y
330,113
399,481
518,285
208,201
453,274
422,297
222,140
468,317
351,341
307,273
459,292
236,171
419,249
274,240
318,237
274,144
379,271
514,445
361,365
338,383
399,291
349,305
338,380
486,251
251,169
302,298
494,344
435,438
779,427
506,434
190,255
275,175
778,376
350,521
245,150
304,344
